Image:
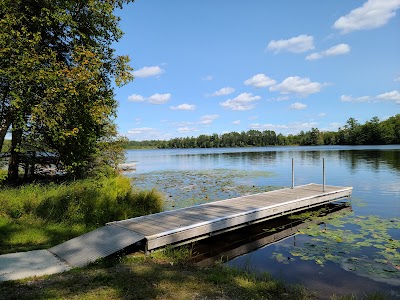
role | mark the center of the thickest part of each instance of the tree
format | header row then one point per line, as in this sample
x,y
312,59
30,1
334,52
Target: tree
x,y
391,130
329,137
354,134
372,132
56,70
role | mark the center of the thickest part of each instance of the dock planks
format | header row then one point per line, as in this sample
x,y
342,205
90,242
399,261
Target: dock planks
x,y
196,222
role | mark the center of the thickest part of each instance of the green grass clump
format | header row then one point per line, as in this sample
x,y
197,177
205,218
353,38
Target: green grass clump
x,y
38,215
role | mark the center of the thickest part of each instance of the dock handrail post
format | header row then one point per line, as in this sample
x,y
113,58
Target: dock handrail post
x,y
292,173
323,174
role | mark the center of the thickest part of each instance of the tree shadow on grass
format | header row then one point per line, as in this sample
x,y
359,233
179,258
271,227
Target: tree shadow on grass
x,y
149,279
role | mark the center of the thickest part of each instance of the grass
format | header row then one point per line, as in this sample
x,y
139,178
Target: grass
x,y
161,275
38,216
158,276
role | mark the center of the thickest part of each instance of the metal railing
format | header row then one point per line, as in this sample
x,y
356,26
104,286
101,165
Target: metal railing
x,y
323,174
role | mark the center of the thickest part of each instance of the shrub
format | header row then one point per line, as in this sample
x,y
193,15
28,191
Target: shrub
x,y
3,175
147,202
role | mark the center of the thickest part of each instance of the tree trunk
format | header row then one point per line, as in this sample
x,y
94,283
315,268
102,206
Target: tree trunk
x,y
13,163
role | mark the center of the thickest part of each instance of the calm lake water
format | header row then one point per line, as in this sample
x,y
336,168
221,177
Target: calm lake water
x,y
355,253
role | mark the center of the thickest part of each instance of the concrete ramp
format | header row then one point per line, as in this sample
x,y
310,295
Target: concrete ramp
x,y
96,244
20,265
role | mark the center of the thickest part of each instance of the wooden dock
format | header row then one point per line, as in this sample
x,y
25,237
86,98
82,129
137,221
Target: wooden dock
x,y
193,223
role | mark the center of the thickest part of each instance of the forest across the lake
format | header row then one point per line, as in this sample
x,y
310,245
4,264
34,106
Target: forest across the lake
x,y
372,132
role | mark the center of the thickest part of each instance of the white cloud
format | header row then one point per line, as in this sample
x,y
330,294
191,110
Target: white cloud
x,y
280,98
373,14
299,44
335,125
153,99
314,56
298,106
349,98
136,98
208,119
224,91
297,85
204,120
159,98
291,128
259,81
184,107
397,79
391,96
321,115
148,72
207,78
340,49
388,96
186,129
259,126
140,130
244,101
146,133
237,122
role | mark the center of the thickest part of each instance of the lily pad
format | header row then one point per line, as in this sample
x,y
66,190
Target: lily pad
x,y
367,248
187,188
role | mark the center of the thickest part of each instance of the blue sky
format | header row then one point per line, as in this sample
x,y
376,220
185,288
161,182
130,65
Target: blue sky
x,y
215,66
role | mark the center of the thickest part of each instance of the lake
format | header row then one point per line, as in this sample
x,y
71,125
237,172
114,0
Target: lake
x,y
356,252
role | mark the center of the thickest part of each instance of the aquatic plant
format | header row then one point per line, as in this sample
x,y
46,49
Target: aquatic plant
x,y
187,188
366,245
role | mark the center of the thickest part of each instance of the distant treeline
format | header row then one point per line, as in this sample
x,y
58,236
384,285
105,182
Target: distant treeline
x,y
372,132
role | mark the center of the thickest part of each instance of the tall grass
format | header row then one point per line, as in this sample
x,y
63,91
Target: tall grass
x,y
89,201
40,215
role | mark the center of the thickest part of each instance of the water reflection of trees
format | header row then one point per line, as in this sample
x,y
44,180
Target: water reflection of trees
x,y
243,158
375,159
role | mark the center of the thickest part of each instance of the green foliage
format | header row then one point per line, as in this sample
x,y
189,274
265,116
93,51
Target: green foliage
x,y
232,139
88,202
373,132
39,216
57,65
109,154
3,176
175,255
6,146
147,202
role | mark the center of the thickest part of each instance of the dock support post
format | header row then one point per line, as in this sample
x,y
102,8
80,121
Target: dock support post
x,y
292,173
323,174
